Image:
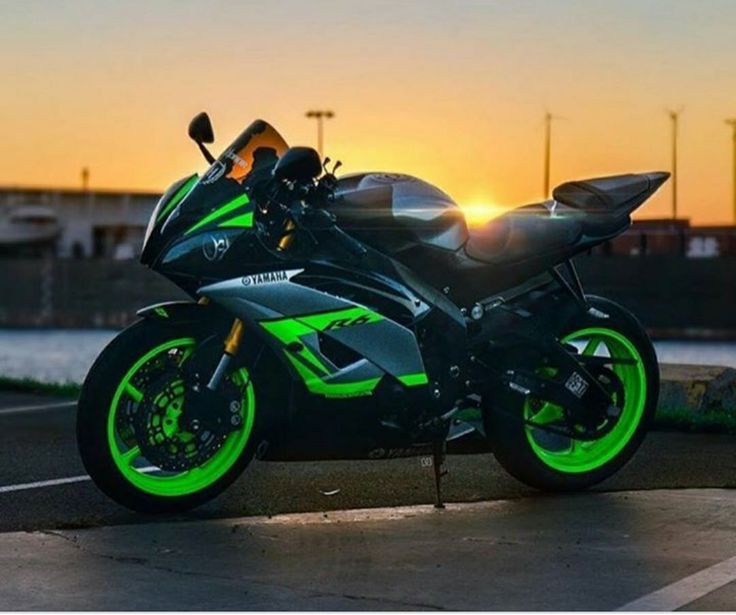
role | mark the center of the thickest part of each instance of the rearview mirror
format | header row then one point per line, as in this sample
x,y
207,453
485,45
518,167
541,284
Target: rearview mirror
x,y
200,129
299,164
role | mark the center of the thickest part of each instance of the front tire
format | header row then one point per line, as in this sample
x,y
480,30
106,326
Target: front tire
x,y
117,384
554,463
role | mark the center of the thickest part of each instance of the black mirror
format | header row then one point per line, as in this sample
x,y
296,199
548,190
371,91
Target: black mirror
x,y
200,129
298,164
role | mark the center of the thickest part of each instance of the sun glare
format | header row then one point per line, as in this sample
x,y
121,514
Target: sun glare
x,y
478,213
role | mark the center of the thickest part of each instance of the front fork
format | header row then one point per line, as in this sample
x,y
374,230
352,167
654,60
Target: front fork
x,y
232,344
233,339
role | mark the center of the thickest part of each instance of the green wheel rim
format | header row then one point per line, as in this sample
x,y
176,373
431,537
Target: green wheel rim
x,y
581,456
133,466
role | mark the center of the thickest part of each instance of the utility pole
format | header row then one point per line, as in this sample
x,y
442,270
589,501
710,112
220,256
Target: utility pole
x,y
85,179
547,151
732,124
675,119
320,115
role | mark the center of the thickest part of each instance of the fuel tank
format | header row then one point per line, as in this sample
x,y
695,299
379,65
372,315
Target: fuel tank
x,y
394,212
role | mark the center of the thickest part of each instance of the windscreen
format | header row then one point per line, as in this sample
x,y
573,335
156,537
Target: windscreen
x,y
223,198
254,152
225,190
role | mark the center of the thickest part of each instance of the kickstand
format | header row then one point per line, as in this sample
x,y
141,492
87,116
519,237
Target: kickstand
x,y
438,458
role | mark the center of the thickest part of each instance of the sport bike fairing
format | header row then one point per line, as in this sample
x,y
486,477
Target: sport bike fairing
x,y
296,319
222,199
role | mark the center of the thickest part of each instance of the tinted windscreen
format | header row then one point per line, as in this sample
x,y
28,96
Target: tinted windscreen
x,y
247,161
256,150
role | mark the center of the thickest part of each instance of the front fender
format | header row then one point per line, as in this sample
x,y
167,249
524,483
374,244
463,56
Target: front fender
x,y
169,309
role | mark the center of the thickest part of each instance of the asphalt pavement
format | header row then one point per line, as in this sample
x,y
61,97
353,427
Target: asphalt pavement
x,y
502,552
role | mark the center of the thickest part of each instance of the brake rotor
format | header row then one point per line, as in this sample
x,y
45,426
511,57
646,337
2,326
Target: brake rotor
x,y
161,433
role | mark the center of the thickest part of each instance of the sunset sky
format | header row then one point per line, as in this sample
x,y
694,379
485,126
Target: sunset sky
x,y
451,91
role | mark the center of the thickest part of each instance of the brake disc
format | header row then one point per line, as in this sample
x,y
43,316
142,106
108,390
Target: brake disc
x,y
161,433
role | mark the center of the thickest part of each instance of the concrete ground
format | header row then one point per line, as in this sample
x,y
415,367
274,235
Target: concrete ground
x,y
517,549
628,550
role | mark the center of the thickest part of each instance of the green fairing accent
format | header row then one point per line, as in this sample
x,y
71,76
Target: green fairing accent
x,y
414,380
242,221
581,456
307,364
341,389
288,331
161,312
184,483
221,211
178,197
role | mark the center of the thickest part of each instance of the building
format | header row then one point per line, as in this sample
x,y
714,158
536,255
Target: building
x,y
74,223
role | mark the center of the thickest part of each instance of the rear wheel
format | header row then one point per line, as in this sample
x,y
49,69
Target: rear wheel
x,y
528,436
133,432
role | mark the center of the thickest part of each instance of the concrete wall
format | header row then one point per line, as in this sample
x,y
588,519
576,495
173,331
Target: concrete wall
x,y
77,293
669,294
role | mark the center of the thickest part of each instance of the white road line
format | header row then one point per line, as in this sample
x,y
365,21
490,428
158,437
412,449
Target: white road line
x,y
687,590
40,484
21,409
44,483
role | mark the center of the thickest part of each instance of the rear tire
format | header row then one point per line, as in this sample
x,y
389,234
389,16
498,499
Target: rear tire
x,y
570,466
107,391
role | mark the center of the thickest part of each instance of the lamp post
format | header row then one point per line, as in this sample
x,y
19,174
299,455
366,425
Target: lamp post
x,y
547,151
732,124
320,115
548,119
675,119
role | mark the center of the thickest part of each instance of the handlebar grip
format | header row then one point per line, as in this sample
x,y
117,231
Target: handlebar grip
x,y
351,245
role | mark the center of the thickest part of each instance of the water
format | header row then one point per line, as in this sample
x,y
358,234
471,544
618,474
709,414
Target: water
x,y
50,355
61,355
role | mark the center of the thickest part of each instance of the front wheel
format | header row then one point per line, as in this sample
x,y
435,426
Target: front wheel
x,y
526,433
132,429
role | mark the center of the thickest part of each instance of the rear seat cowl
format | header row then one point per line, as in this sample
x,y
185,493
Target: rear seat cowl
x,y
610,194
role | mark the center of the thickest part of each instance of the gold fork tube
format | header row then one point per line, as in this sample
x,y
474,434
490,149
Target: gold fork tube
x,y
233,339
288,237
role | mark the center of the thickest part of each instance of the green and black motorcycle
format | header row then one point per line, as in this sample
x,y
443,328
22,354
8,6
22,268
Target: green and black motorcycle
x,y
359,318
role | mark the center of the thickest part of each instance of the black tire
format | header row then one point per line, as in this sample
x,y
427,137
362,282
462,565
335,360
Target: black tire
x,y
95,405
507,430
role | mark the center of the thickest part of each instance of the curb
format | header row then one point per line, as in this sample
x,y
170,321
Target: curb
x,y
697,389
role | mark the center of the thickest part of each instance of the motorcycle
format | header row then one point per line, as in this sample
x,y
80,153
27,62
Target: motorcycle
x,y
360,318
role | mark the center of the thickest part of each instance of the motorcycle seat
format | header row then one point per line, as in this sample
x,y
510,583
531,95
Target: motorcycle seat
x,y
618,194
524,233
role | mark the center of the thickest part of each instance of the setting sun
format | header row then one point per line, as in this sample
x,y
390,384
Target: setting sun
x,y
478,213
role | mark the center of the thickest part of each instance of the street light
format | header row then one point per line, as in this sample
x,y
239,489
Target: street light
x,y
548,117
675,119
732,124
320,115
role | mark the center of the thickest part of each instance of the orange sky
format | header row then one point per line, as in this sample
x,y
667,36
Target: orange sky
x,y
453,92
